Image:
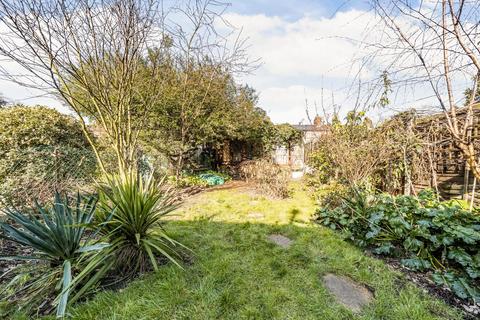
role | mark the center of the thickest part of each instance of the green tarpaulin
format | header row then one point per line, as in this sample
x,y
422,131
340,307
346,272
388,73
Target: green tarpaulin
x,y
212,179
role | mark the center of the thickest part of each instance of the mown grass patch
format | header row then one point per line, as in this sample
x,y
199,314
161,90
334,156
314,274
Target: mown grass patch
x,y
237,273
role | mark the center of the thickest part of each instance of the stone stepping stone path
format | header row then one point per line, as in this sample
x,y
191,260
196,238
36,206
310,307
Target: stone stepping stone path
x,y
347,292
280,240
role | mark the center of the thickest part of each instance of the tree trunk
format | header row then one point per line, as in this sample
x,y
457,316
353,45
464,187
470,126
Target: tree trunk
x,y
179,165
289,150
470,156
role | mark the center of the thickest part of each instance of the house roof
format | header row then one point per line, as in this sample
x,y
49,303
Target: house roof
x,y
309,127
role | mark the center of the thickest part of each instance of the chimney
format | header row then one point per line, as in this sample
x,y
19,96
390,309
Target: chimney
x,y
317,122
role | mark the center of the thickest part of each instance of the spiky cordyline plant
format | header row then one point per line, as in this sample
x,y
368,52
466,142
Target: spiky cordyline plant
x,y
132,208
55,238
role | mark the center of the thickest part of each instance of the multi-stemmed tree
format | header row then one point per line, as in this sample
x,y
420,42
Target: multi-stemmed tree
x,y
100,57
434,45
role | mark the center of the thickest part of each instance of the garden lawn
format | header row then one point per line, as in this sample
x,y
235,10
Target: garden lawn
x,y
237,273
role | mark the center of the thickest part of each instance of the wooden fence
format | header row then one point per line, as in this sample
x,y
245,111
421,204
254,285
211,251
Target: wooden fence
x,y
450,172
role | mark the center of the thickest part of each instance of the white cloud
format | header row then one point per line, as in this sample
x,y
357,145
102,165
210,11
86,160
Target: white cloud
x,y
288,104
257,23
16,93
308,46
300,57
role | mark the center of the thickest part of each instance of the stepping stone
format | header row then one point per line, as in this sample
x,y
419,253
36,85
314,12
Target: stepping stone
x,y
280,240
347,292
255,215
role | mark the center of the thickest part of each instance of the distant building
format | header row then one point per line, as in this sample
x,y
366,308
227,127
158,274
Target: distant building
x,y
301,152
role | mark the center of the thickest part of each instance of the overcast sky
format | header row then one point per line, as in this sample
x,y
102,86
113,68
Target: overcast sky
x,y
303,51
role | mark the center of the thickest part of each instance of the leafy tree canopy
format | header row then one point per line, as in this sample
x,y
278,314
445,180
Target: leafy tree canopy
x,y
287,135
24,127
196,104
41,150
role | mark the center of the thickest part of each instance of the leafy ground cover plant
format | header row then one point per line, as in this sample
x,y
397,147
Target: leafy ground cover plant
x,y
188,181
199,181
214,178
54,236
131,212
426,233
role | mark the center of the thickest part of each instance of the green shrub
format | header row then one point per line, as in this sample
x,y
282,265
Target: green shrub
x,y
41,150
36,173
188,181
129,239
24,127
323,168
426,233
131,212
330,193
55,239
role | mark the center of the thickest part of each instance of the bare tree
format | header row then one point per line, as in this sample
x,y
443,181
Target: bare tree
x,y
96,55
92,47
435,44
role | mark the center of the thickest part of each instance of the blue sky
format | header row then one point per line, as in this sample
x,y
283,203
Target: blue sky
x,y
292,9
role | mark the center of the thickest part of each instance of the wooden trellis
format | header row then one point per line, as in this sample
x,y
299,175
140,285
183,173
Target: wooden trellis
x,y
450,174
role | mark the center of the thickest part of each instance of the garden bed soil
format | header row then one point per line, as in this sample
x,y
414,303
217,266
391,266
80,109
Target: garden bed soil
x,y
10,248
423,280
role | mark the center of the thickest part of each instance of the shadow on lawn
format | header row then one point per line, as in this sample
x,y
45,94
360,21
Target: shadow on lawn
x,y
237,273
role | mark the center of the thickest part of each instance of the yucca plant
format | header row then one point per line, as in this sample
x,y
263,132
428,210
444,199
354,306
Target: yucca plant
x,y
131,209
54,238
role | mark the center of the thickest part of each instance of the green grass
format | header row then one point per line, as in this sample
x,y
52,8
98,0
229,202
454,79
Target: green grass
x,y
238,274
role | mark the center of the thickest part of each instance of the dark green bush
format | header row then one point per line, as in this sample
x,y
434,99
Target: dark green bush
x,y
41,150
426,233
